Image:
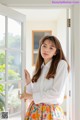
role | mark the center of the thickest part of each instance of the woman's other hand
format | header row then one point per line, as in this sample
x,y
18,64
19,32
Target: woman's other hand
x,y
27,76
26,96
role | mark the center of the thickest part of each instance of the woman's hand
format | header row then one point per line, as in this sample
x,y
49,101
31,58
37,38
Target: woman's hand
x,y
27,76
26,96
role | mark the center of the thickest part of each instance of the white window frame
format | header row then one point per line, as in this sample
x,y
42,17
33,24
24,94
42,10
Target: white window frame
x,y
10,13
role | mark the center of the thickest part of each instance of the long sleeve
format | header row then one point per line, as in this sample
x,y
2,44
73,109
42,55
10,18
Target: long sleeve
x,y
54,94
29,88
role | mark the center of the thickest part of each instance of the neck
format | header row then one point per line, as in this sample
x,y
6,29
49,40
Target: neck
x,y
46,61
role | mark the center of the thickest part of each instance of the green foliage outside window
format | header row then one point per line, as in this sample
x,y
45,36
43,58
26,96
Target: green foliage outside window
x,y
12,73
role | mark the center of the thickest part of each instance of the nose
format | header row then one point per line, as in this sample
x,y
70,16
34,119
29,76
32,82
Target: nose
x,y
46,50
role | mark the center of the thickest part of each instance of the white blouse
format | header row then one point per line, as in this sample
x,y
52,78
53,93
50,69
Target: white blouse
x,y
50,91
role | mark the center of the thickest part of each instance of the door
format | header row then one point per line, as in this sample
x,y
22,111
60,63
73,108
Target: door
x,y
69,85
64,35
12,63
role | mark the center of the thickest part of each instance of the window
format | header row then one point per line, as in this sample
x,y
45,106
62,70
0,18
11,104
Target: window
x,y
12,62
10,65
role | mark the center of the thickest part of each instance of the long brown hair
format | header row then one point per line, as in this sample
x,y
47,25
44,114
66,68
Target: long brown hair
x,y
59,56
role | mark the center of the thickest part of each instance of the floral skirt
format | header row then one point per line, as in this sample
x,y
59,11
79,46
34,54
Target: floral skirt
x,y
44,111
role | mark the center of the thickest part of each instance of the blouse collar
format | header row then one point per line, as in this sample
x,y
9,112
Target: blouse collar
x,y
46,65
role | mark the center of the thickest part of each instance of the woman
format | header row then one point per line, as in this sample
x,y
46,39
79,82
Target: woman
x,y
47,86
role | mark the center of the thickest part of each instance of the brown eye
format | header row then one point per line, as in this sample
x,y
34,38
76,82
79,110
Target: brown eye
x,y
44,46
51,48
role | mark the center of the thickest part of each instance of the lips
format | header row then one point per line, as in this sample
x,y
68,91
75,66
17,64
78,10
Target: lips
x,y
45,53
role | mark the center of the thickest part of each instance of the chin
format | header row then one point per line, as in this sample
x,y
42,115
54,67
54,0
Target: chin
x,y
45,58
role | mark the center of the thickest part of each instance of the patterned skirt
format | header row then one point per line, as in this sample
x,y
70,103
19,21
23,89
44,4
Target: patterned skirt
x,y
44,111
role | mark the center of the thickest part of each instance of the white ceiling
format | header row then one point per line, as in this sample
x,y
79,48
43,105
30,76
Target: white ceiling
x,y
25,2
32,3
42,14
36,12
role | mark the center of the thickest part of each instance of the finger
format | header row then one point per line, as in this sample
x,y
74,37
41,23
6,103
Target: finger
x,y
25,70
22,96
26,74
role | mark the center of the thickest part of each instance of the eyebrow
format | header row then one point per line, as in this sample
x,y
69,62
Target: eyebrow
x,y
45,43
51,45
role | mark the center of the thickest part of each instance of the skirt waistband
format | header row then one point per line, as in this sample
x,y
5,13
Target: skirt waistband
x,y
46,104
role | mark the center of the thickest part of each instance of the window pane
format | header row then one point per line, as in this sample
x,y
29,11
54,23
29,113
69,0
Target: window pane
x,y
2,65
14,34
14,103
2,97
2,31
14,66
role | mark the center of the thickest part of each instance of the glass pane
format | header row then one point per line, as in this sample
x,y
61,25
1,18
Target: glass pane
x,y
14,34
14,103
2,97
2,31
14,66
2,65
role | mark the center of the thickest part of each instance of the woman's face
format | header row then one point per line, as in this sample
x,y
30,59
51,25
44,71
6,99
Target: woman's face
x,y
48,50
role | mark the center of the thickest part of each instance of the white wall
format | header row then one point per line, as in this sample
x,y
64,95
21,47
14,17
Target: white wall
x,y
61,30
